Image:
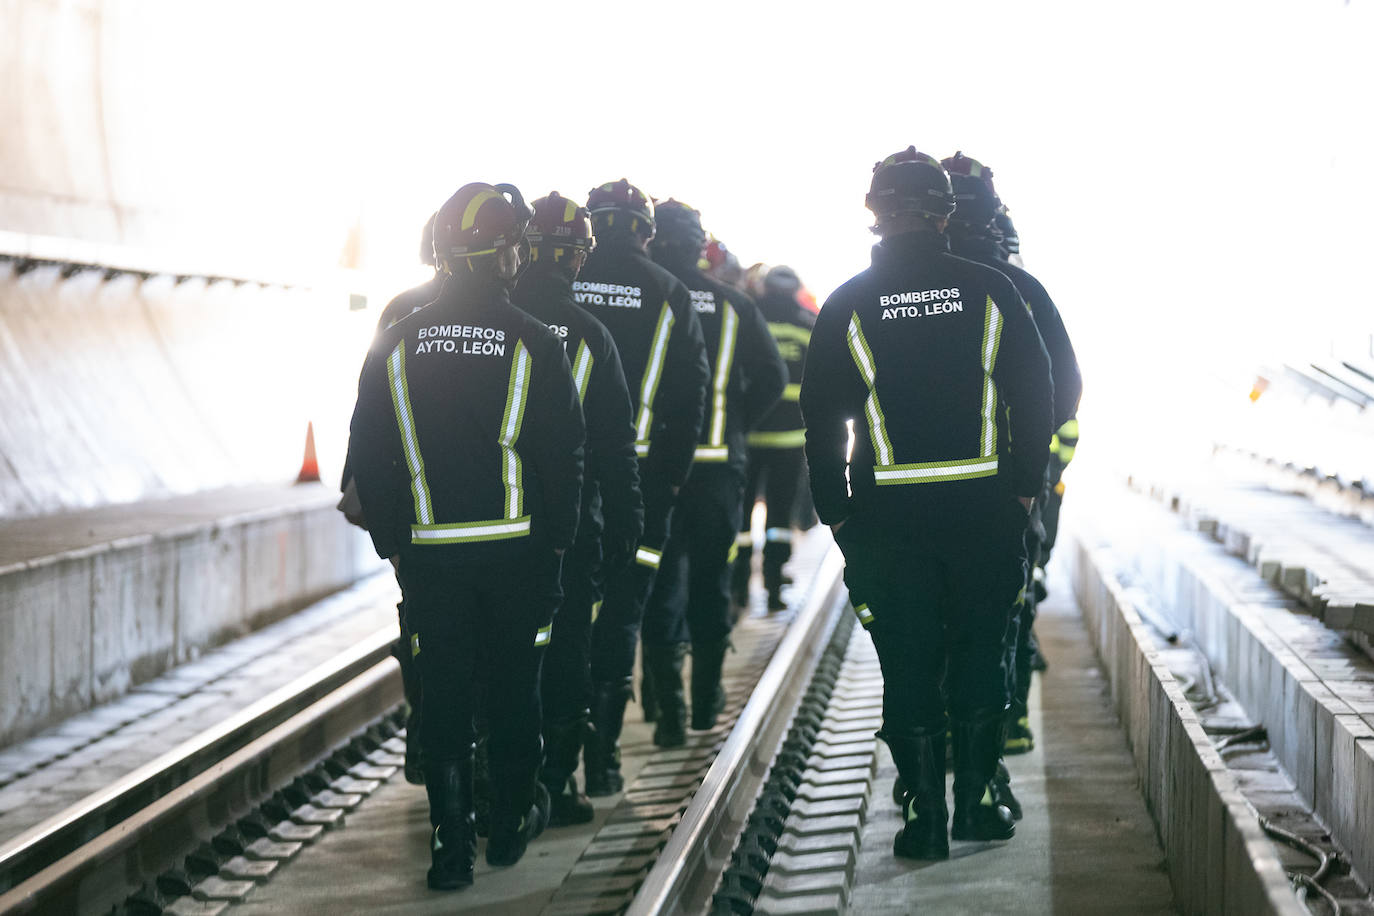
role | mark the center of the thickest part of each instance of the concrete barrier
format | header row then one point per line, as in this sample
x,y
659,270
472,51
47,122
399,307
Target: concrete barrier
x,y
1219,859
82,627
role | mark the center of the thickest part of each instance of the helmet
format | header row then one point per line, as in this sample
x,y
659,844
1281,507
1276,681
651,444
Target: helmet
x,y
478,220
974,194
427,242
1010,241
910,181
678,224
558,222
623,199
782,279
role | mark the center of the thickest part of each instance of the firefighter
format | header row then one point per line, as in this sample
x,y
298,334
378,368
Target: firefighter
x,y
973,235
560,238
937,365
776,464
649,315
474,499
690,602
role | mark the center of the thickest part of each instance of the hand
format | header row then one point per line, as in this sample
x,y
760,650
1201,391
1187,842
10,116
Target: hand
x,y
1026,502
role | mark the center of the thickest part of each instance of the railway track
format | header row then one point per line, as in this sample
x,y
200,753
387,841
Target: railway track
x,y
208,820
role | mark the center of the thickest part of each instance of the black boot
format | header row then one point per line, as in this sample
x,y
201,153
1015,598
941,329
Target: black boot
x,y
453,845
562,746
708,696
663,668
1018,737
977,813
518,816
920,758
601,754
775,554
1001,791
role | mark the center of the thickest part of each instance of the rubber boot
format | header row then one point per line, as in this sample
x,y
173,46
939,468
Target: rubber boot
x,y
708,696
663,667
920,758
601,753
775,554
515,823
453,845
1001,791
562,746
977,813
740,574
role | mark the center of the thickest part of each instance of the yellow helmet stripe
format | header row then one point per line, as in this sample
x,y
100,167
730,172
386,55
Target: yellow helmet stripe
x,y
569,211
470,214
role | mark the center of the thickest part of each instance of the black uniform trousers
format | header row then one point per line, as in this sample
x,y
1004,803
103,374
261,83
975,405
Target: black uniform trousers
x,y
567,682
615,634
778,473
690,601
478,630
938,606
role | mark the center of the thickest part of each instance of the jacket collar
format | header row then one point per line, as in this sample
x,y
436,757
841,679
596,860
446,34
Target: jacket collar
x,y
898,248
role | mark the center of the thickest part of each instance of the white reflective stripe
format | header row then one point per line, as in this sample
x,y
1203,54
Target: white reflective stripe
x,y
778,535
652,373
511,421
863,358
647,556
543,635
582,370
992,338
865,615
641,448
725,358
495,530
405,420
932,471
711,453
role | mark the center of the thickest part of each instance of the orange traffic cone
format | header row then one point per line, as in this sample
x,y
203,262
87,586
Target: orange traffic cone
x,y
310,467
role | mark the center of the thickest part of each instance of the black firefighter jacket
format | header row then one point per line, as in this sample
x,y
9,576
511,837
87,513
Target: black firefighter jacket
x,y
466,440
1068,384
610,489
790,324
938,364
747,373
650,317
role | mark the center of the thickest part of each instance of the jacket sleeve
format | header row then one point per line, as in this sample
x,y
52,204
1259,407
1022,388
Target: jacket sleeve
x,y
832,396
611,459
376,461
765,373
681,400
551,439
1068,384
1022,374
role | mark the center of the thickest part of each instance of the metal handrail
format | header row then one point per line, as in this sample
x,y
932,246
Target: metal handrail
x,y
700,846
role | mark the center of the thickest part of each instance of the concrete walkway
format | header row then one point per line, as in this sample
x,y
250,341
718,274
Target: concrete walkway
x,y
1086,844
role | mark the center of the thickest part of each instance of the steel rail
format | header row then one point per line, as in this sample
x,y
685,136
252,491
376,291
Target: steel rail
x,y
97,876
38,847
688,869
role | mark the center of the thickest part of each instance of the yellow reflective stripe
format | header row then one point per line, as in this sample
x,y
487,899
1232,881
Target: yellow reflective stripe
x,y
864,614
500,529
992,339
653,372
863,358
544,635
782,331
414,644
569,211
1066,453
934,471
744,539
516,396
405,420
732,554
470,212
725,358
787,438
582,366
711,453
647,556
1069,430
596,611
792,392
